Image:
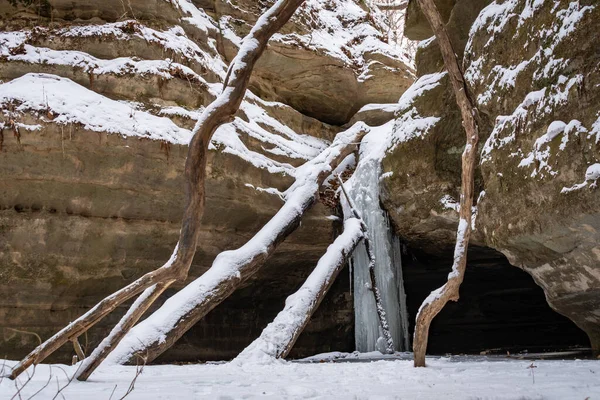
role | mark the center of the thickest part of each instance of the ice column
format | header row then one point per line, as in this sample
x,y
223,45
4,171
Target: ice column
x,y
364,191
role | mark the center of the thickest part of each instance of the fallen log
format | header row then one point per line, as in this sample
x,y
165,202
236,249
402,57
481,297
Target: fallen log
x,y
278,338
232,268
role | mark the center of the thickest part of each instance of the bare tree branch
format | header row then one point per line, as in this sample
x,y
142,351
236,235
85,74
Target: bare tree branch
x,y
69,381
78,349
45,386
138,371
134,313
19,389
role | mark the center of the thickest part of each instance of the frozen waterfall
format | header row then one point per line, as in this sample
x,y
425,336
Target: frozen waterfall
x,y
364,190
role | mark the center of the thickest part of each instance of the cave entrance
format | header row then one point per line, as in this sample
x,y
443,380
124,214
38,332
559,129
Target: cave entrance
x,y
500,308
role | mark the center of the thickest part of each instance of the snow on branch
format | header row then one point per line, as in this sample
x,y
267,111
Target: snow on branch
x,y
277,339
231,268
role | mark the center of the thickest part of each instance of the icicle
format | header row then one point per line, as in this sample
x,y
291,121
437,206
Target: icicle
x,y
351,268
397,257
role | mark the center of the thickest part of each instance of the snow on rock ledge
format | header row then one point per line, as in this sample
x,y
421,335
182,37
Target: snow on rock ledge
x,y
69,103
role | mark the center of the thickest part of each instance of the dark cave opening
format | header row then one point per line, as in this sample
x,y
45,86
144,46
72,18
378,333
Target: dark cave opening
x,y
500,307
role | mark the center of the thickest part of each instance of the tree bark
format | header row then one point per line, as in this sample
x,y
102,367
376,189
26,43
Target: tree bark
x,y
219,112
436,301
278,338
385,328
135,312
230,269
78,349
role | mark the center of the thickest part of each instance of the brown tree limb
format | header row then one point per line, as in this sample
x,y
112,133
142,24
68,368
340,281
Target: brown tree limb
x,y
436,301
83,323
385,328
219,112
232,268
135,312
78,349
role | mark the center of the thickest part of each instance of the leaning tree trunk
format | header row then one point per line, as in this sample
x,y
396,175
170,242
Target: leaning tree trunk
x,y
164,327
219,112
278,338
436,301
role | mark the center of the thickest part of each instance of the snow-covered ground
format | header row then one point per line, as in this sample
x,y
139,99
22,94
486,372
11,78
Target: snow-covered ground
x,y
443,379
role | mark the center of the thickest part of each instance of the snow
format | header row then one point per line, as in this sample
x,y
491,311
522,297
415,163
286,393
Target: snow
x,y
344,30
424,43
251,42
286,141
420,87
173,39
196,16
543,66
272,191
407,126
72,103
592,174
459,251
96,66
349,163
340,17
475,209
277,336
536,106
555,129
227,264
442,379
449,203
406,101
385,107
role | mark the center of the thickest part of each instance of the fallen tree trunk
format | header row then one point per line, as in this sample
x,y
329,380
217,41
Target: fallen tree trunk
x,y
436,301
278,338
230,269
383,323
219,112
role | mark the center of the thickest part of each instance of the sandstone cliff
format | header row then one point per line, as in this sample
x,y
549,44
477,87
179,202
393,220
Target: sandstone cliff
x,y
533,69
98,102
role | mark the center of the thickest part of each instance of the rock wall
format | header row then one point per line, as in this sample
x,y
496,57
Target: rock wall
x,y
98,100
532,68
